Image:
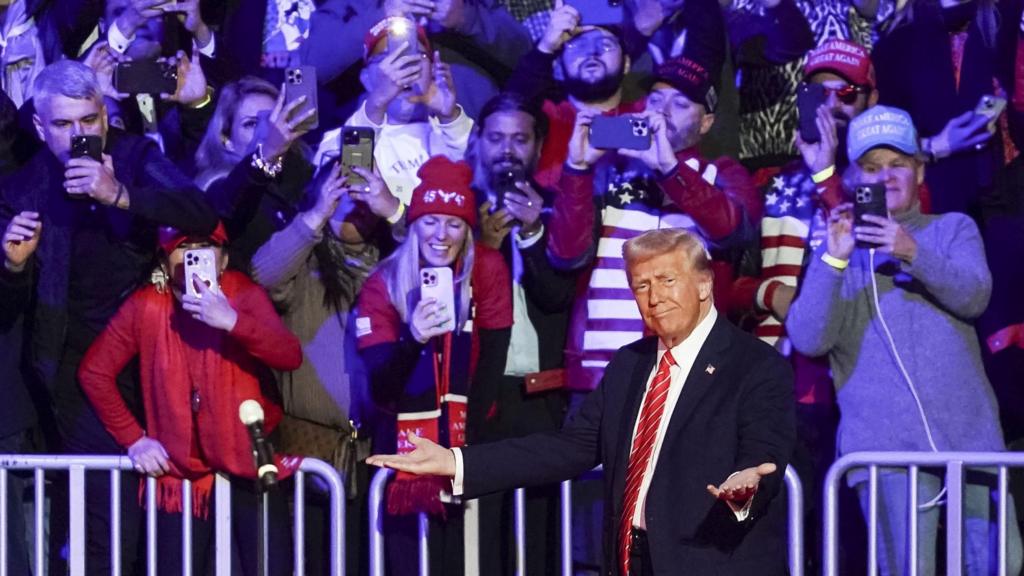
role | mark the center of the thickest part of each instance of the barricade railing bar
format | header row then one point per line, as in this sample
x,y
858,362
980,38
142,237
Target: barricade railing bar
x,y
955,465
77,466
795,525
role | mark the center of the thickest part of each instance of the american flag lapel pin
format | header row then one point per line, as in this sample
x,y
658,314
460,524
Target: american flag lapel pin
x,y
710,369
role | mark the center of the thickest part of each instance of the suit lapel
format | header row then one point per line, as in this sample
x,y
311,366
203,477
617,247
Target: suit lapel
x,y
702,376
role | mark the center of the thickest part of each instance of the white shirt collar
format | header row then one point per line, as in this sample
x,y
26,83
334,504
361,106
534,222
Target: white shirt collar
x,y
692,344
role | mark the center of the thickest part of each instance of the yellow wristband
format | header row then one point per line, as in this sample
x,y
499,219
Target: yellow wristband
x,y
834,262
205,101
394,218
824,174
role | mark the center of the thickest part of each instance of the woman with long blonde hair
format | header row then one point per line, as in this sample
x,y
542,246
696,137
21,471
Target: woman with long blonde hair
x,y
432,362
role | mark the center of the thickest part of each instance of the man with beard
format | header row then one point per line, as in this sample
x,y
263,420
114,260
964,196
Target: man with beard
x,y
668,185
410,105
529,397
797,202
591,64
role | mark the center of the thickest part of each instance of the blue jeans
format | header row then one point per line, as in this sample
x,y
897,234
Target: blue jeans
x,y
979,534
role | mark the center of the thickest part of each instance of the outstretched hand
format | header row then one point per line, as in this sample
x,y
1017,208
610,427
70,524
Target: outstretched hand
x,y
741,486
428,459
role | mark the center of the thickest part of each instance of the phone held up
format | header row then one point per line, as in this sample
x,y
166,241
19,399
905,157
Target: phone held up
x,y
87,146
505,182
300,81
437,283
990,107
809,98
146,77
868,199
615,132
356,151
201,262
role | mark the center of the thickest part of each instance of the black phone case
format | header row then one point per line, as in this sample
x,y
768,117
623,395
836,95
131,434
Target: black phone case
x,y
615,132
145,77
87,147
868,199
504,183
301,81
809,98
356,150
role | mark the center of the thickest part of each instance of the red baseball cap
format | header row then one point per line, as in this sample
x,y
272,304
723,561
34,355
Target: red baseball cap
x,y
842,57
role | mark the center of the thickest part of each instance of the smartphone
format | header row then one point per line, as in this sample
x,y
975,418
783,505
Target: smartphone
x,y
301,81
87,147
437,283
505,182
614,132
868,199
146,77
201,262
990,107
809,97
599,12
400,31
356,150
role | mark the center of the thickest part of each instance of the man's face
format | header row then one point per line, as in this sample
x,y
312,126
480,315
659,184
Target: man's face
x,y
840,107
900,173
594,65
58,118
147,38
686,121
672,297
506,141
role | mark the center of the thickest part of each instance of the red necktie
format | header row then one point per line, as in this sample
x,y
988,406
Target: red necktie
x,y
640,455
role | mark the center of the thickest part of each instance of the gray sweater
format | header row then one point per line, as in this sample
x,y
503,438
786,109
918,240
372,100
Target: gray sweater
x,y
321,389
929,306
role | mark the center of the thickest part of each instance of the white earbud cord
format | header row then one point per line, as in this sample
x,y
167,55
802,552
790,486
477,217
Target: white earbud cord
x,y
906,376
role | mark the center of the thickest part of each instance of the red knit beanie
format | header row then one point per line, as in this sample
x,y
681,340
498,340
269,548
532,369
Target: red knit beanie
x,y
444,189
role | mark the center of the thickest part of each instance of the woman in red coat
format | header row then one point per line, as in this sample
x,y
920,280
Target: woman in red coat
x,y
199,358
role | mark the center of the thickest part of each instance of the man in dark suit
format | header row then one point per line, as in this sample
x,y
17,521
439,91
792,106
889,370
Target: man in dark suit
x,y
699,404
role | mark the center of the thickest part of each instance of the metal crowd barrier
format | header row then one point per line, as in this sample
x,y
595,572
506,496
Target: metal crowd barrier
x,y
955,464
795,525
76,466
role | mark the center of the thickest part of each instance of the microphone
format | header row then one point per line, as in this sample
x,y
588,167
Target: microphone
x,y
251,414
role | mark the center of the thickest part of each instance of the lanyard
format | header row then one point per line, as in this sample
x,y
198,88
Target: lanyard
x,y
443,366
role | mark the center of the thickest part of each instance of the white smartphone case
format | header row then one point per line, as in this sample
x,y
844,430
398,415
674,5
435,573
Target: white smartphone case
x,y
201,262
437,283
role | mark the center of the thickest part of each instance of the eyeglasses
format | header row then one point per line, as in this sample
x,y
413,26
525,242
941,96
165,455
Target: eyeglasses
x,y
847,94
598,45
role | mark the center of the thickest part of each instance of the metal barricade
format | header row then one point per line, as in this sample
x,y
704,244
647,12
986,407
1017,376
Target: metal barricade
x,y
795,525
955,464
77,466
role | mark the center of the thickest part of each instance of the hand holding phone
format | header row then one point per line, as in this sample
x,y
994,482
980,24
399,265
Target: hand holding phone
x,y
435,313
617,132
356,152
